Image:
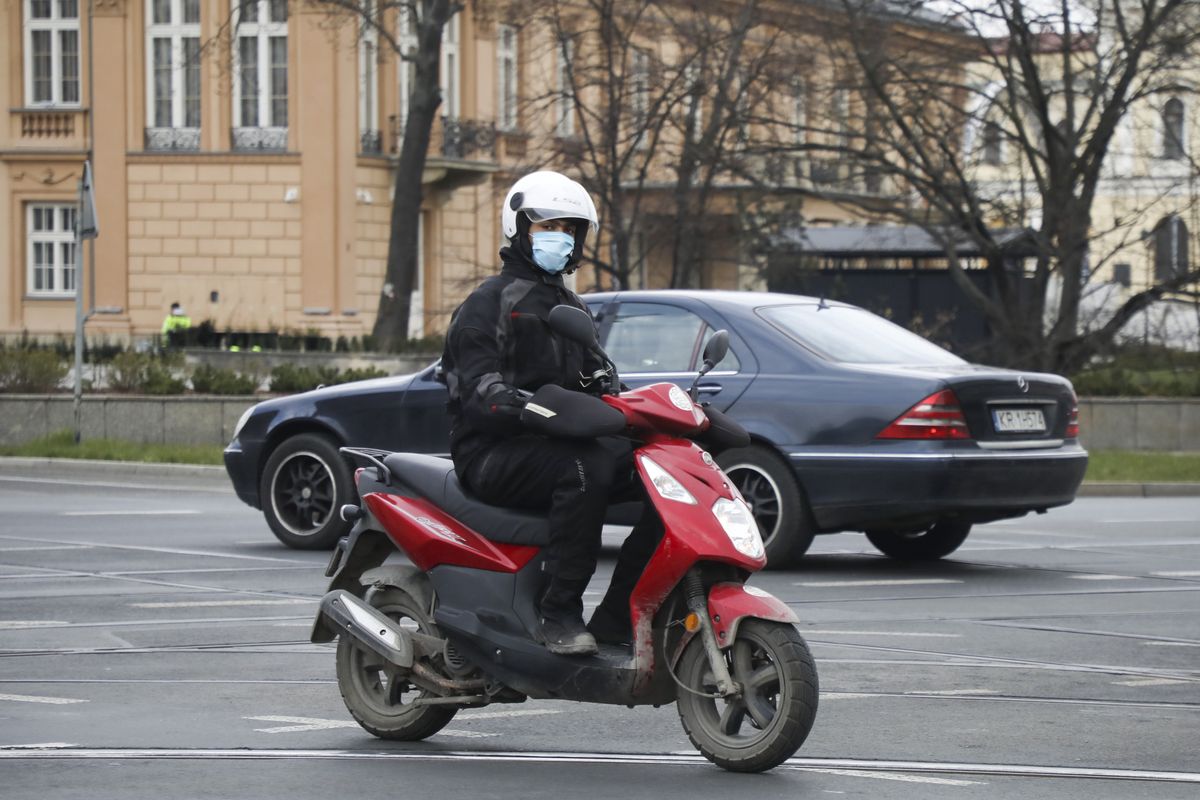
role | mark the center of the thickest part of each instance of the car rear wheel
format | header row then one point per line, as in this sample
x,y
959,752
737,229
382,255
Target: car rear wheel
x,y
302,487
770,487
937,541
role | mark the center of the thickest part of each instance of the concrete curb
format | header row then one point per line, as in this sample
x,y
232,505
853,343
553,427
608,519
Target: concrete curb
x,y
215,476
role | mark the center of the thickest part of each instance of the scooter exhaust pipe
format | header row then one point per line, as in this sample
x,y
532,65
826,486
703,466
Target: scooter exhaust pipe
x,y
343,614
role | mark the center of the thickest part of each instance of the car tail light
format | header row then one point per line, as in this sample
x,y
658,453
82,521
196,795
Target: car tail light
x,y
938,416
1073,418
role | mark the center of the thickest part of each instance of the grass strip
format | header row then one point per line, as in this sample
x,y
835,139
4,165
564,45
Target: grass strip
x,y
62,445
1143,467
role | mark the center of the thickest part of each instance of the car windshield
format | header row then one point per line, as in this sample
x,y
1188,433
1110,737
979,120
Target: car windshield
x,y
854,336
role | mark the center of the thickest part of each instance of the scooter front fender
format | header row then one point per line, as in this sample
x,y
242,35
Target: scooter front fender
x,y
730,603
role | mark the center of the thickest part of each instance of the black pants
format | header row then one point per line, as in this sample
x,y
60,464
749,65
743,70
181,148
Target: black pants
x,y
575,481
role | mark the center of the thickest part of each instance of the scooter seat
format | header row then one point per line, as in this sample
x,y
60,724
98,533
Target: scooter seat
x,y
433,479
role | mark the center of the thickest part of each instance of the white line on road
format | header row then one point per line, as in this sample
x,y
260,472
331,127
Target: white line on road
x,y
139,513
28,698
1103,577
158,487
32,549
221,603
956,692
1173,644
619,759
39,746
176,551
894,582
22,624
892,776
882,633
1150,682
1186,573
465,734
520,712
302,724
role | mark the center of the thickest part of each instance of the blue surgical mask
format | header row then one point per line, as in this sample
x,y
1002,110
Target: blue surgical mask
x,y
552,250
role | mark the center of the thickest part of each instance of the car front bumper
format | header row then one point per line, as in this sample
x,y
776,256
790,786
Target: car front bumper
x,y
243,472
898,486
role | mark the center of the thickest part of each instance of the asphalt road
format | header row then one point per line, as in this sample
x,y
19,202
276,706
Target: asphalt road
x,y
153,642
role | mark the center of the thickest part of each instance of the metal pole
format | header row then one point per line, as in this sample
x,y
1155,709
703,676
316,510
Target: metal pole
x,y
79,317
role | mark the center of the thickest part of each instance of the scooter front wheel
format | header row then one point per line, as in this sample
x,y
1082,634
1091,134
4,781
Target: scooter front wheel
x,y
763,725
379,695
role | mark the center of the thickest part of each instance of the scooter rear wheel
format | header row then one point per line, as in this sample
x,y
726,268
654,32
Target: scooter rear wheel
x,y
378,695
764,725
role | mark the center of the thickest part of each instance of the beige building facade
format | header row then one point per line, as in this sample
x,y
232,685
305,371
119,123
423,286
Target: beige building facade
x,y
243,157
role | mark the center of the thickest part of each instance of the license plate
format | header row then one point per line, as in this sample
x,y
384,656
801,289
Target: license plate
x,y
1020,420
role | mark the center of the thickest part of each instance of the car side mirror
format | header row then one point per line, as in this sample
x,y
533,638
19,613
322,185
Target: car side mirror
x,y
716,349
575,324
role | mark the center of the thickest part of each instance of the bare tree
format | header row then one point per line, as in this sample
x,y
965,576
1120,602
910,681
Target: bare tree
x,y
1008,122
649,107
412,29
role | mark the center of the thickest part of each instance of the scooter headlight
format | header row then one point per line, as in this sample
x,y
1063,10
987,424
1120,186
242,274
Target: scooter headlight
x,y
739,525
666,485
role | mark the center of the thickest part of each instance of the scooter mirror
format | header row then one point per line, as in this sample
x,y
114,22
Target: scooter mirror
x,y
574,323
716,348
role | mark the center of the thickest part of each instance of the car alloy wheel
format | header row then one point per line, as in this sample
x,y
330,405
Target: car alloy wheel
x,y
303,493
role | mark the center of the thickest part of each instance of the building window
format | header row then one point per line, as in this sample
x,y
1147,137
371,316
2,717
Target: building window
x,y
50,235
507,77
799,114
173,74
260,75
450,69
52,52
368,81
564,110
1173,129
1170,249
993,144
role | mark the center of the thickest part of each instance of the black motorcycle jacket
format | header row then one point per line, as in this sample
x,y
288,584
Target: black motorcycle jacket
x,y
498,343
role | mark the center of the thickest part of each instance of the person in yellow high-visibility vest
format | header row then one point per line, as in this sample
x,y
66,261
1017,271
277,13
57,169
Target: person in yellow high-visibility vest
x,y
175,321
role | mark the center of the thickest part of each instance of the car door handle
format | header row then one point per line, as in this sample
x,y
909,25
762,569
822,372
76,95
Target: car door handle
x,y
709,388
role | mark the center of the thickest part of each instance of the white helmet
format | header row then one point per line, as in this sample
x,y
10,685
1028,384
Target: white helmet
x,y
544,196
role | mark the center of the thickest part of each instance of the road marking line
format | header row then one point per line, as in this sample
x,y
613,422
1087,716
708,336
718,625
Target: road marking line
x,y
28,698
158,487
619,759
1150,682
176,551
892,776
464,734
138,513
1102,577
221,603
882,633
1186,573
956,692
896,582
1173,644
22,624
303,724
44,548
42,746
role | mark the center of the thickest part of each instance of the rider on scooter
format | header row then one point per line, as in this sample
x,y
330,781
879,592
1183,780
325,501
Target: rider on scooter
x,y
499,345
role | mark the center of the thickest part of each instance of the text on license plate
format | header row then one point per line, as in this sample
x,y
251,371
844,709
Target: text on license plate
x,y
1018,419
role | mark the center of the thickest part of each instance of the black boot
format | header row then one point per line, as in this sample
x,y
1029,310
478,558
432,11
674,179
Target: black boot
x,y
610,627
561,617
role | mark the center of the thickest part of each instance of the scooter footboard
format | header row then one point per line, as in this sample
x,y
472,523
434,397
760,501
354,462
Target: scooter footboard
x,y
730,603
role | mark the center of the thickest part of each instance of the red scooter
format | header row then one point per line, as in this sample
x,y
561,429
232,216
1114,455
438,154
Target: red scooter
x,y
457,628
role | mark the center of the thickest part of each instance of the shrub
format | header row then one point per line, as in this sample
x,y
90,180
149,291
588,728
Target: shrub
x,y
145,373
31,370
291,378
207,379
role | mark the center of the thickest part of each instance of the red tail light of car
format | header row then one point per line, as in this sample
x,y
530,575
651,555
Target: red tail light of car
x,y
1073,418
938,416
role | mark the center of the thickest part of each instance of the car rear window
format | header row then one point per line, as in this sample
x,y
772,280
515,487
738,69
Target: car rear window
x,y
854,336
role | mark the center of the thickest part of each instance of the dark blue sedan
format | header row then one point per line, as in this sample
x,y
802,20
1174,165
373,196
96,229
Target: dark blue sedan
x,y
856,425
